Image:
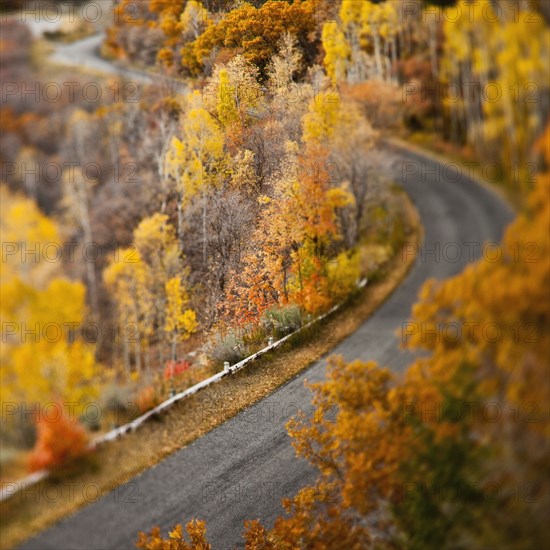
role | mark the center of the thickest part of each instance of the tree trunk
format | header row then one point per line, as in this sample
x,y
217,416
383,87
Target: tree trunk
x,y
90,263
378,54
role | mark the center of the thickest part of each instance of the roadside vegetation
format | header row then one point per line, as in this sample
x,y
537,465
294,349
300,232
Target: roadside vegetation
x,y
453,455
115,463
150,236
175,232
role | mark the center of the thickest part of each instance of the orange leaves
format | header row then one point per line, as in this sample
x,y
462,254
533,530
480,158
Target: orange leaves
x,y
498,309
255,536
293,240
146,399
60,441
196,531
258,287
309,214
413,457
347,437
257,31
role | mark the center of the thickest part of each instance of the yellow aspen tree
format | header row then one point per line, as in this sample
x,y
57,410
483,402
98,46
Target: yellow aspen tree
x,y
227,106
337,51
350,15
194,19
234,93
137,280
181,321
195,162
43,354
285,64
127,280
322,119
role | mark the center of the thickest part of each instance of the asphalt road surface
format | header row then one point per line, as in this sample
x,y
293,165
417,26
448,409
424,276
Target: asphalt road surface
x,y
85,54
241,469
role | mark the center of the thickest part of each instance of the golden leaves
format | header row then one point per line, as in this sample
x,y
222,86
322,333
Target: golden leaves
x,y
43,354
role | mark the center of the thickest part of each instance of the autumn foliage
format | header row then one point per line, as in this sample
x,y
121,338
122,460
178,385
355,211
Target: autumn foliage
x,y
174,369
454,454
400,467
257,32
253,195
196,531
59,442
38,294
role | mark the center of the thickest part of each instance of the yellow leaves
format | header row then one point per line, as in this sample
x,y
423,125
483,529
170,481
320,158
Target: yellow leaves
x,y
378,18
263,199
194,19
343,274
177,152
498,309
337,51
351,10
339,198
233,93
365,19
243,174
166,56
196,531
474,411
322,118
506,56
44,355
227,108
178,320
284,66
203,134
390,14
116,268
177,533
62,300
298,225
193,160
154,234
42,352
149,291
344,437
188,321
25,233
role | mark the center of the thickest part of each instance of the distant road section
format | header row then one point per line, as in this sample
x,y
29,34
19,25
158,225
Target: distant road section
x,y
85,54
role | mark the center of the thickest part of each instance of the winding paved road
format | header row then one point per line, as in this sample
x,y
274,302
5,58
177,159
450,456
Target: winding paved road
x,y
241,469
85,54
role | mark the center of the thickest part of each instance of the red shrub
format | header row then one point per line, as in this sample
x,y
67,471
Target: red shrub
x,y
174,369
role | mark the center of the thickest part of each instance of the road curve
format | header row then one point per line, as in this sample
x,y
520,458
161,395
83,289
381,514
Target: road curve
x,y
241,469
85,54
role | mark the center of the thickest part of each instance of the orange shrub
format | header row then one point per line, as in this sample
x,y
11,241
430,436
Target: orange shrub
x,y
146,399
196,532
57,443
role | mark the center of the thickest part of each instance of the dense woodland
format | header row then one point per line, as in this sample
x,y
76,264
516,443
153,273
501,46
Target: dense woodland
x,y
187,228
